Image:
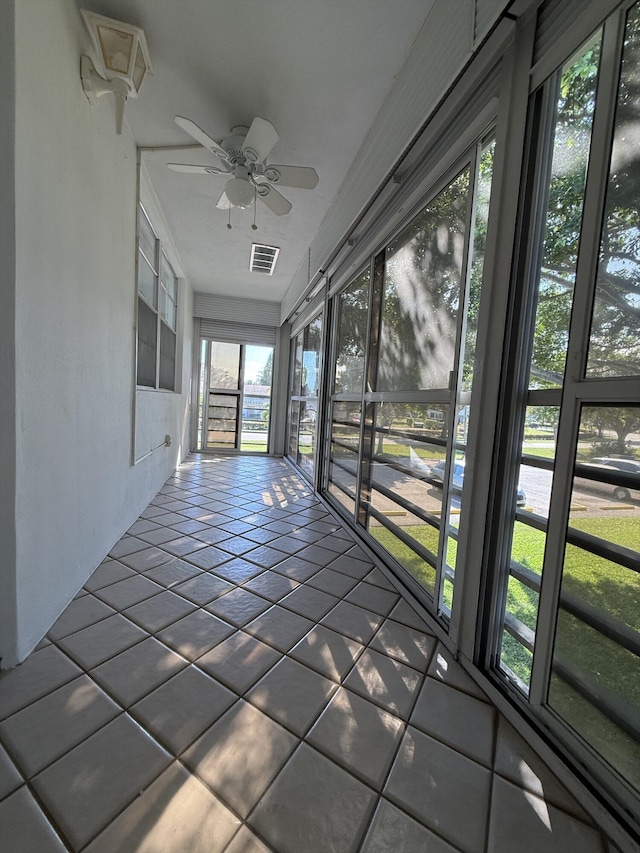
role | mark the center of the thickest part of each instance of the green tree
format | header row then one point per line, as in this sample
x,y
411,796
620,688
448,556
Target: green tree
x,y
265,375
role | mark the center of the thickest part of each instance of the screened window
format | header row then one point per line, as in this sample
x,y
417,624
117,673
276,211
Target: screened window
x,y
157,311
568,632
402,370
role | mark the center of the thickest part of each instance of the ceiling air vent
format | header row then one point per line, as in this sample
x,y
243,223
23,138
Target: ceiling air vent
x,y
263,258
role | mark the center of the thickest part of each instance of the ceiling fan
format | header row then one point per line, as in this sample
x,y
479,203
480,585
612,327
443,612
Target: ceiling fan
x,y
242,157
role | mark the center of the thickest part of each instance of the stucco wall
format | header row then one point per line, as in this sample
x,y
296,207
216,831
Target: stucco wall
x,y
75,208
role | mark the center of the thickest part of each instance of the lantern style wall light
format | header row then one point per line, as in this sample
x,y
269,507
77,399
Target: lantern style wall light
x,y
124,62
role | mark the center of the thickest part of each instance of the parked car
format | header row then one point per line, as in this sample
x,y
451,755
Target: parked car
x,y
609,463
437,474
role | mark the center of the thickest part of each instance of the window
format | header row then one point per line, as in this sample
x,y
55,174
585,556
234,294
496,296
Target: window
x,y
304,379
157,311
403,363
567,638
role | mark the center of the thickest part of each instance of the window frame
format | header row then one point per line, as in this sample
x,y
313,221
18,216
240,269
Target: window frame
x,y
577,390
161,267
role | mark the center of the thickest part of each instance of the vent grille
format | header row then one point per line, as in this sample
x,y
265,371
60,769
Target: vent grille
x,y
263,258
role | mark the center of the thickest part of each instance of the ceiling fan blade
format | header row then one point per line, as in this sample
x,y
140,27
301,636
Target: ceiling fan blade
x,y
303,177
259,141
196,170
223,202
276,203
199,135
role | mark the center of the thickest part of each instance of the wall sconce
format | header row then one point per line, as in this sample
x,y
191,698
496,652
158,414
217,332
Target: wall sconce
x,y
124,56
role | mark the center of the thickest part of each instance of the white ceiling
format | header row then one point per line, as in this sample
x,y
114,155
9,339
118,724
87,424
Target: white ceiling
x,y
319,70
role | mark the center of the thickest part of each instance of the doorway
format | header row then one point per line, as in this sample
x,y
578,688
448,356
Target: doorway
x,y
234,397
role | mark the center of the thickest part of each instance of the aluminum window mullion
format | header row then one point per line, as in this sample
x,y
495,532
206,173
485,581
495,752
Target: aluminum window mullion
x,y
569,422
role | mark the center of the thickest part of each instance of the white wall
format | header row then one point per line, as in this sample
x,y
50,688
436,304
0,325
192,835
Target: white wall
x,y
75,209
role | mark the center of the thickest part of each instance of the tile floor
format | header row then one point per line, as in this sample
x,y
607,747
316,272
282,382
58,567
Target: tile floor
x,y
238,676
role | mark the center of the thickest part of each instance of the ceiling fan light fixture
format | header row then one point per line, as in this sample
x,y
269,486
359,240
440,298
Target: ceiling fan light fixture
x,y
240,192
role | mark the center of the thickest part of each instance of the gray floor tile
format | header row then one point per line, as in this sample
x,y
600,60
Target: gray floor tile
x,y
260,535
203,588
182,708
237,545
10,778
126,546
238,570
313,806
457,719
246,842
158,612
238,606
309,602
208,558
213,535
292,694
358,735
431,781
196,634
128,592
335,583
536,824
174,572
45,730
517,762
175,814
98,643
108,572
351,566
41,673
392,829
387,682
90,785
405,644
444,668
80,613
239,756
24,828
353,621
183,545
328,652
145,559
404,613
158,535
279,627
373,598
271,585
296,568
239,661
138,670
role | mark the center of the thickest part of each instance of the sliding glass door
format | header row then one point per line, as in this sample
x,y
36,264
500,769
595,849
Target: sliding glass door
x,y
234,397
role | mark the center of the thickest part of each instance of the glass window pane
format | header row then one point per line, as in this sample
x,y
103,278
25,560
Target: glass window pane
x,y
563,215
225,365
167,358
422,279
258,369
147,345
147,282
147,239
596,658
614,348
168,278
353,308
311,358
294,424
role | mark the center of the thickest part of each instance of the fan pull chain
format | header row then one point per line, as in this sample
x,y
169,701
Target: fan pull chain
x,y
255,206
229,222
